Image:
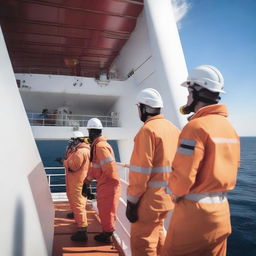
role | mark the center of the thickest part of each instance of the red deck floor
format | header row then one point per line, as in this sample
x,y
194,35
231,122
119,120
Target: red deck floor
x,y
63,228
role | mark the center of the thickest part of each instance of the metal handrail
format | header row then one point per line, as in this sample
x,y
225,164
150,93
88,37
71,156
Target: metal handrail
x,y
54,168
123,173
50,175
40,119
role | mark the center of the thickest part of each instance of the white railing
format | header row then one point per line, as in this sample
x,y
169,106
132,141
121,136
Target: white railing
x,y
60,194
39,119
122,232
56,195
50,175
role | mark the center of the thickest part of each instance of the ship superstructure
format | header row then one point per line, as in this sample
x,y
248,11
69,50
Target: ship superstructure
x,y
68,61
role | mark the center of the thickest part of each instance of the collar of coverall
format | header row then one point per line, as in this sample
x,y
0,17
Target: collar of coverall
x,y
215,109
100,138
83,145
160,116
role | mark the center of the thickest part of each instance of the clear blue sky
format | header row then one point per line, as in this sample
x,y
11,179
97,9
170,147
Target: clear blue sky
x,y
222,33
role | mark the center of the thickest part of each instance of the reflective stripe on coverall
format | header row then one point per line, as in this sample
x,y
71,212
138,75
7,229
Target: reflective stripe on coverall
x,y
154,148
78,162
104,170
206,162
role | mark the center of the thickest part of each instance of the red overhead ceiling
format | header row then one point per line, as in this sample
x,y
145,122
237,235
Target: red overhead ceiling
x,y
66,37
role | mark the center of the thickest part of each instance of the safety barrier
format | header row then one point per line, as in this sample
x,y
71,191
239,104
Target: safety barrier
x,y
50,176
57,184
39,119
56,181
122,233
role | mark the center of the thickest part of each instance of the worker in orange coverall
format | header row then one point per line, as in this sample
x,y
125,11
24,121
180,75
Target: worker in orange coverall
x,y
76,163
204,169
104,170
148,197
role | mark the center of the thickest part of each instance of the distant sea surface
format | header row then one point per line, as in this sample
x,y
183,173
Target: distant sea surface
x,y
243,203
242,241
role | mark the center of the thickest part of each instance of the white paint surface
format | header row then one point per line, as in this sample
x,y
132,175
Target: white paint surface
x,y
26,208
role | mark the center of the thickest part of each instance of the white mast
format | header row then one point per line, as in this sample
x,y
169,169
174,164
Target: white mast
x,y
168,57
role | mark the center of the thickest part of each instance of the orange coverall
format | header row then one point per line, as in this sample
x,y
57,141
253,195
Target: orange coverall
x,y
204,168
104,170
150,166
78,161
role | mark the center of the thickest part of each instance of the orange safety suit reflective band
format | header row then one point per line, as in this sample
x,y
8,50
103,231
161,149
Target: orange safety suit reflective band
x,y
150,166
204,169
208,198
186,147
104,170
151,183
78,162
102,162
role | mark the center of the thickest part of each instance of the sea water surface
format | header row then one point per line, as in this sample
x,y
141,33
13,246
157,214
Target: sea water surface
x,y
242,199
243,203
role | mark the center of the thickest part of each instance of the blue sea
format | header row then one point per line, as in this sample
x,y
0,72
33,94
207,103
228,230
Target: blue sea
x,y
242,199
243,203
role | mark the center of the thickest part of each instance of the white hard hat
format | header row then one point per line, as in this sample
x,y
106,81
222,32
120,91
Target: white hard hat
x,y
206,76
78,134
150,97
94,123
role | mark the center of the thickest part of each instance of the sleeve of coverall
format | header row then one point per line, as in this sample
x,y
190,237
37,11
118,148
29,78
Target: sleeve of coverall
x,y
90,176
107,161
188,157
140,165
75,161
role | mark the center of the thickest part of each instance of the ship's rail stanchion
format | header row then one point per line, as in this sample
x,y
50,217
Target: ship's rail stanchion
x,y
122,233
56,181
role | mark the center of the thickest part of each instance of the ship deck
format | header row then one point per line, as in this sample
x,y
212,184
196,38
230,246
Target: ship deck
x,y
64,228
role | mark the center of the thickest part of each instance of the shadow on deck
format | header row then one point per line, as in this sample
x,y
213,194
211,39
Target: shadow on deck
x,y
64,228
